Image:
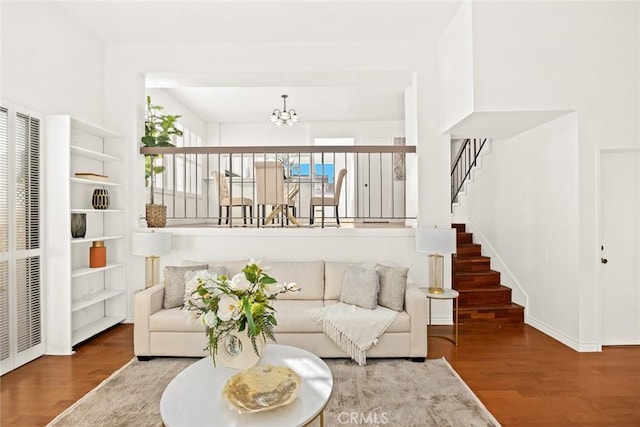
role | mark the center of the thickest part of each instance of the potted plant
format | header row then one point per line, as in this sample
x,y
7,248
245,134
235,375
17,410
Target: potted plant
x,y
158,129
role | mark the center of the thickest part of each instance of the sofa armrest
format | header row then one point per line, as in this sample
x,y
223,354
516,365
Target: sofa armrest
x,y
145,303
415,304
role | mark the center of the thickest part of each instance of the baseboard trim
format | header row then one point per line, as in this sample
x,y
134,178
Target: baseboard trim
x,y
562,337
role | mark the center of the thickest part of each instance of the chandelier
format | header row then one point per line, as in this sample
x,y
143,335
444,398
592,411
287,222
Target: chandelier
x,y
284,117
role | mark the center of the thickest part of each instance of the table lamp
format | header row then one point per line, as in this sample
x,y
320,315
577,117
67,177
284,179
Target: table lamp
x,y
151,245
435,242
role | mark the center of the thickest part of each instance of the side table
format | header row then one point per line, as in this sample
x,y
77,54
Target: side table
x,y
448,294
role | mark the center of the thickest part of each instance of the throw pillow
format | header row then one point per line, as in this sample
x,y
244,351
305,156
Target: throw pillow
x,y
191,279
393,284
174,284
360,287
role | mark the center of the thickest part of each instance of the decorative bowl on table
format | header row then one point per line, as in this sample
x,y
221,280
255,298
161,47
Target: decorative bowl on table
x,y
262,388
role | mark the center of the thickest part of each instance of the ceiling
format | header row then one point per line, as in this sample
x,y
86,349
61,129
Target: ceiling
x,y
250,97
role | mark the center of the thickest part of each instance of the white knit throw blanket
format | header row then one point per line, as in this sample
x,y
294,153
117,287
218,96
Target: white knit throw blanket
x,y
355,329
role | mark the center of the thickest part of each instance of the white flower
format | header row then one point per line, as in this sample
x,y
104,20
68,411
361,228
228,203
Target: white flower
x,y
193,279
229,307
273,289
291,287
258,262
209,319
240,283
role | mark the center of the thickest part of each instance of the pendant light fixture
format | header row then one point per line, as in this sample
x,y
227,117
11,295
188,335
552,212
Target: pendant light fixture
x,y
284,117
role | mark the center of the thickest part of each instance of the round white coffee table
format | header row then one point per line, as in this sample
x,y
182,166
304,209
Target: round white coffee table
x,y
194,396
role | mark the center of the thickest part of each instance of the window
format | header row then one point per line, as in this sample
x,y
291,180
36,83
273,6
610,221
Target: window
x,y
183,172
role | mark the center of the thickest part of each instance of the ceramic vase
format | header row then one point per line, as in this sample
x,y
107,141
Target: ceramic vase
x,y
100,199
97,255
236,351
78,225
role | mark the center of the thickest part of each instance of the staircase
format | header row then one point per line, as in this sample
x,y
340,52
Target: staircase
x,y
482,297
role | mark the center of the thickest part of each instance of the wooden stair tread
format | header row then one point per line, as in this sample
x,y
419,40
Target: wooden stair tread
x,y
494,288
477,273
472,258
503,306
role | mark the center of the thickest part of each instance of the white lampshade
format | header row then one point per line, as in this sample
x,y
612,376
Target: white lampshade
x,y
150,243
436,240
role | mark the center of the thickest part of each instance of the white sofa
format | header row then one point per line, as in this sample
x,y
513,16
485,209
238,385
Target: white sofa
x,y
165,332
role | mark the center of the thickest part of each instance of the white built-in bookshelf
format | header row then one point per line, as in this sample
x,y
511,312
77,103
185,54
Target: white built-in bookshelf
x,y
83,301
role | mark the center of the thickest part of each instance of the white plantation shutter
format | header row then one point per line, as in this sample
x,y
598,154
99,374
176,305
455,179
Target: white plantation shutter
x,y
21,337
4,181
27,183
4,310
4,233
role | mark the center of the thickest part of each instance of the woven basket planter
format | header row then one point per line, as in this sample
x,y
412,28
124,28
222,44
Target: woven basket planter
x,y
156,215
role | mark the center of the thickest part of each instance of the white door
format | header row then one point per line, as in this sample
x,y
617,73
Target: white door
x,y
620,247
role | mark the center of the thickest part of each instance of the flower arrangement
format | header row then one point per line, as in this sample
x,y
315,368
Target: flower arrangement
x,y
241,303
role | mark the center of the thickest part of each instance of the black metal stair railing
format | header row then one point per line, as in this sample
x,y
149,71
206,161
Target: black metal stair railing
x,y
465,161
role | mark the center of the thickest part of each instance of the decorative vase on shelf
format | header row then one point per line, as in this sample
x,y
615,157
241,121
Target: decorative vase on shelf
x,y
97,255
236,351
100,199
78,225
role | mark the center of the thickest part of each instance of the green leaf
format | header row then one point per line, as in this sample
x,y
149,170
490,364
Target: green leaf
x,y
253,330
267,280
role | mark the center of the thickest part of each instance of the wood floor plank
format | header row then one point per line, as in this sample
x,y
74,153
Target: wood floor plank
x,y
523,377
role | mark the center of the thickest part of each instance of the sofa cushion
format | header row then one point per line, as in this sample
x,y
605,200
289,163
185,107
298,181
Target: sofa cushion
x,y
174,284
360,287
393,284
233,267
309,275
297,316
334,274
175,320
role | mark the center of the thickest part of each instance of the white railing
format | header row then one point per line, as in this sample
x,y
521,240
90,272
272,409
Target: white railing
x,y
373,188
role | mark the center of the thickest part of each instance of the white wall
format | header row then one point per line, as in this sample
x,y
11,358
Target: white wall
x,y
175,107
455,61
263,134
546,56
49,64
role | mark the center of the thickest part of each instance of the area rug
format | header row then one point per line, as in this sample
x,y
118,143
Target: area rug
x,y
390,392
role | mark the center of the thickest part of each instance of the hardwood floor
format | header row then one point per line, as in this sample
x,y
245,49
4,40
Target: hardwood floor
x,y
526,378
523,377
35,393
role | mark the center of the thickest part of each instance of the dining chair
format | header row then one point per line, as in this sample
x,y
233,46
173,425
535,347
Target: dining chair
x,y
272,190
328,199
226,201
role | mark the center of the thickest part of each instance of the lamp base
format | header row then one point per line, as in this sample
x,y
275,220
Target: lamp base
x,y
436,291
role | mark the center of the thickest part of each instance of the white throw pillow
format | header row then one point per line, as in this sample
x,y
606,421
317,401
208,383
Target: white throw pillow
x,y
360,287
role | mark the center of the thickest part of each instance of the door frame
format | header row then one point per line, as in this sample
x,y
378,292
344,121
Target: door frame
x,y
600,151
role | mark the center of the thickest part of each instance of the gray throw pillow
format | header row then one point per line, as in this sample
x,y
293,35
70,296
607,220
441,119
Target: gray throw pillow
x,y
174,284
393,284
360,287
